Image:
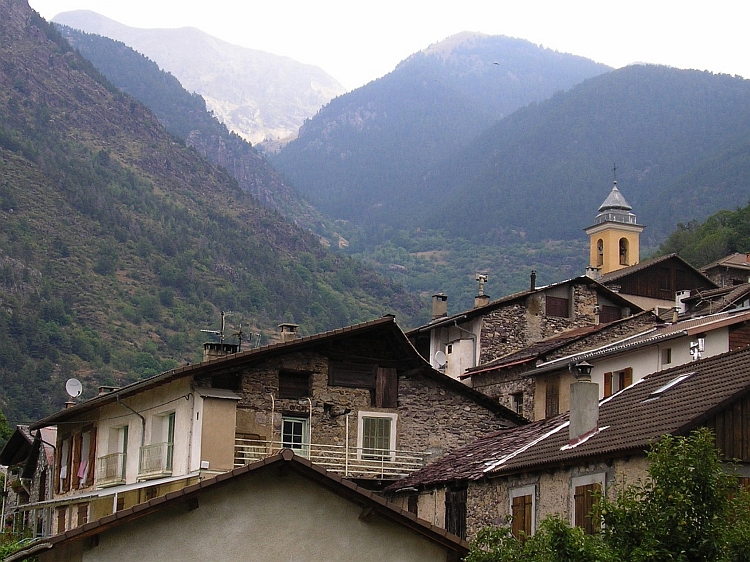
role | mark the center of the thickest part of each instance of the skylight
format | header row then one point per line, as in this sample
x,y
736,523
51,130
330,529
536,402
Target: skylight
x,y
671,384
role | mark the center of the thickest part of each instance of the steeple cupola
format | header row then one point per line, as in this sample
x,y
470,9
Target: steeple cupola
x,y
614,236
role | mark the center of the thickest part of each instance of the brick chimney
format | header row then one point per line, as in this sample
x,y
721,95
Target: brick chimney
x,y
288,331
439,306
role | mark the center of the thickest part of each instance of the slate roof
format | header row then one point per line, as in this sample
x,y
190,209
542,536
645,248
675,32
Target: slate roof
x,y
718,299
538,349
615,200
663,332
629,421
520,296
382,327
286,459
736,261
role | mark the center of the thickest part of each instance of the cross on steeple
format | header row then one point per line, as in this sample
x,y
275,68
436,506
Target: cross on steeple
x,y
614,172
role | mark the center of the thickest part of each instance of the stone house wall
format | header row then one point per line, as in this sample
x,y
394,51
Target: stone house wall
x,y
432,417
514,327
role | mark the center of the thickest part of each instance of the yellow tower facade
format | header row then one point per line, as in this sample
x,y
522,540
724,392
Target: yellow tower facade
x,y
614,238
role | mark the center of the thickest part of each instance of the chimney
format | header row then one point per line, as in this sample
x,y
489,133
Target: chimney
x,y
288,332
679,298
481,299
439,306
584,402
593,272
532,287
106,390
213,350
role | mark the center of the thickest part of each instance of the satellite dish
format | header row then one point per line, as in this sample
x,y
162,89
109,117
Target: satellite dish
x,y
441,359
74,388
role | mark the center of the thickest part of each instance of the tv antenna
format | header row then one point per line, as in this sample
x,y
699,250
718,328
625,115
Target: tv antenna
x,y
219,333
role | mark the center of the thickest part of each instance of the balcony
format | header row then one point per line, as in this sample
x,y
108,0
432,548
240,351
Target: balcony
x,y
349,462
155,461
110,470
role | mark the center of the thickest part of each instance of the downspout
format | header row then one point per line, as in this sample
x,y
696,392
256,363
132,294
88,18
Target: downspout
x,y
273,412
190,435
473,341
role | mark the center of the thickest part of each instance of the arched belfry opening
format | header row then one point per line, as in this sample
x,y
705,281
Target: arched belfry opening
x,y
614,238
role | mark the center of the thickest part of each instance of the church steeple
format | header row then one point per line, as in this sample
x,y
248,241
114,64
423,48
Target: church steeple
x,y
615,235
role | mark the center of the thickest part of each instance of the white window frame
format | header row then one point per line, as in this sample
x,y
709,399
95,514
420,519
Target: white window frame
x,y
304,449
594,478
524,491
360,431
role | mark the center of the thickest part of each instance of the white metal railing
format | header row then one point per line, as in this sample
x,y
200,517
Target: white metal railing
x,y
155,460
350,462
110,469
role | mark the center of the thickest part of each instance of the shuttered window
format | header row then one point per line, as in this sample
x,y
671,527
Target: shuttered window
x,y
558,307
615,382
376,438
294,384
455,512
552,396
521,513
584,499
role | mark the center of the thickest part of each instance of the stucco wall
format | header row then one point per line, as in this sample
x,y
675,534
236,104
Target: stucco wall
x,y
264,517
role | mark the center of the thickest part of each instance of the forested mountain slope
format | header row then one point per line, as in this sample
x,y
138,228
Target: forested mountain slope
x,y
680,139
118,243
365,156
185,116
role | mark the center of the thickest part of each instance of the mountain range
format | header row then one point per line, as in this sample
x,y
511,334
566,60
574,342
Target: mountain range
x,y
262,97
119,242
367,155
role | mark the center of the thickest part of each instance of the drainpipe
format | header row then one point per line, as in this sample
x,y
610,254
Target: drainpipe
x,y
473,337
273,411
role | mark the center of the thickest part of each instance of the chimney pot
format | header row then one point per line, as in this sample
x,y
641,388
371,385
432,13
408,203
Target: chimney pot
x,y
288,331
533,280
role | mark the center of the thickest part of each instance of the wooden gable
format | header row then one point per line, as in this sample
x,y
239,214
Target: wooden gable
x,y
732,429
661,280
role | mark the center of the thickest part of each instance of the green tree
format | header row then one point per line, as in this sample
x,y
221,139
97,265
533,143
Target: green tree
x,y
688,509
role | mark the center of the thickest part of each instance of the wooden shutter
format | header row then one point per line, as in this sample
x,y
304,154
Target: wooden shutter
x,y
386,388
76,461
92,459
584,505
521,517
455,512
627,378
607,384
552,398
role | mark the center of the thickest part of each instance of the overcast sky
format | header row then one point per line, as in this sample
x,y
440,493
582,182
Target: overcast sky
x,y
356,42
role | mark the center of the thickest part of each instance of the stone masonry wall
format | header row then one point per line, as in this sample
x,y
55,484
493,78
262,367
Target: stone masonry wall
x,y
431,417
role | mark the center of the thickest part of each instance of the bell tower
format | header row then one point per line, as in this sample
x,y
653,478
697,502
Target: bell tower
x,y
614,238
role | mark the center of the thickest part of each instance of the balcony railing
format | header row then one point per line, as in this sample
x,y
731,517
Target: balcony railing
x,y
110,470
349,462
155,461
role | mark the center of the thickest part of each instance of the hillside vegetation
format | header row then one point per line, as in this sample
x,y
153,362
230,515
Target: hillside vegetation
x,y
118,243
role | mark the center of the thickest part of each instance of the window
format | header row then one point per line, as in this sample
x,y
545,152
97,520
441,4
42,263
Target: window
x,y
413,504
382,382
666,356
586,489
63,467
516,402
624,251
455,512
376,435
522,509
111,467
552,398
557,307
294,385
83,514
61,516
294,435
84,455
616,381
609,314
599,252
584,499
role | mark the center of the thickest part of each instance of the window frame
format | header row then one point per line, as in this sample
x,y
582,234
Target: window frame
x,y
393,417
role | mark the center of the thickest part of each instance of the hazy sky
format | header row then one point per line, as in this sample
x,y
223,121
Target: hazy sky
x,y
356,42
